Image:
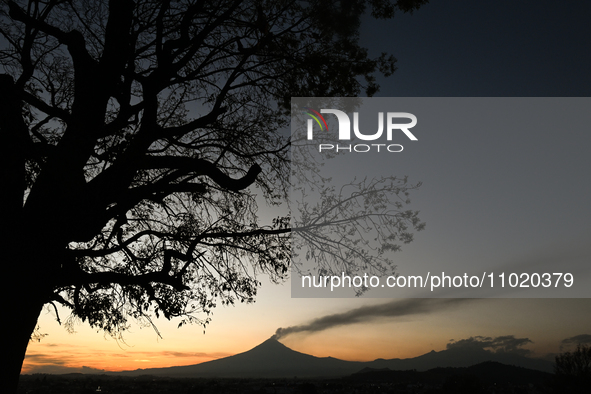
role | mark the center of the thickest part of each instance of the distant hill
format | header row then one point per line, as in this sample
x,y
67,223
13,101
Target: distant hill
x,y
459,357
272,359
487,374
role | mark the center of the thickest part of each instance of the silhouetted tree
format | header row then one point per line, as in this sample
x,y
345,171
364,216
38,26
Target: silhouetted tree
x,y
134,136
573,370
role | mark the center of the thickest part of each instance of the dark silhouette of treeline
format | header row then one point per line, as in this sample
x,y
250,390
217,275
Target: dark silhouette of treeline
x,y
488,377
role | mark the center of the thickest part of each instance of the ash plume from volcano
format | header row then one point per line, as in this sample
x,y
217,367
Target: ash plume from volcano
x,y
395,308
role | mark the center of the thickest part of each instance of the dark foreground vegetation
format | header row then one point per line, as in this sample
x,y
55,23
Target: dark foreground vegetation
x,y
482,378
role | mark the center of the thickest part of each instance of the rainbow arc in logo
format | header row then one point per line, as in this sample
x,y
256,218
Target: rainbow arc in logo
x,y
315,115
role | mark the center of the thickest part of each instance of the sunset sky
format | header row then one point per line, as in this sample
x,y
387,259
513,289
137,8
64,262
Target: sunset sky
x,y
517,199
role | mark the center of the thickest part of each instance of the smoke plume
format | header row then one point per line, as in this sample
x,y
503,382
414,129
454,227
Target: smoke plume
x,y
395,308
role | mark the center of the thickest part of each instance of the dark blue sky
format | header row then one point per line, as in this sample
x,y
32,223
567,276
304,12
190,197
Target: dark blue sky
x,y
518,197
487,48
513,193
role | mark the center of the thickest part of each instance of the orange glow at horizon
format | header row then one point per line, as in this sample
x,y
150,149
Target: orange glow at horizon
x,y
81,360
78,355
81,353
237,330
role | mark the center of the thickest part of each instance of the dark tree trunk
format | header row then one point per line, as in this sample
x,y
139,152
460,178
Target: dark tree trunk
x,y
24,288
21,312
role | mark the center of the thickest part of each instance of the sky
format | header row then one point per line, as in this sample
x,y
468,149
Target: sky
x,y
518,198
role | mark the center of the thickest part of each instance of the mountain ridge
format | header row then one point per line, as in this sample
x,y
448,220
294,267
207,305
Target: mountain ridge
x,y
272,359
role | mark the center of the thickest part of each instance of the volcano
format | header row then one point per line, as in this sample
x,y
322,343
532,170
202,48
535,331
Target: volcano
x,y
272,359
